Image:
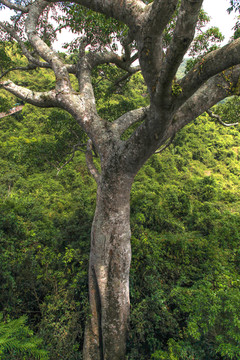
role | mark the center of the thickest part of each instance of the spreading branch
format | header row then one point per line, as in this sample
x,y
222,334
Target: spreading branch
x,y
41,99
149,39
182,38
210,93
166,114
130,118
99,58
166,145
127,11
218,118
20,68
126,42
49,55
16,7
76,147
213,63
34,60
11,31
159,15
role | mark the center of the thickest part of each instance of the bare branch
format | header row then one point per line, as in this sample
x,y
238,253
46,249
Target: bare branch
x,y
128,119
165,146
218,118
126,41
150,40
213,91
89,160
14,6
159,14
182,38
11,31
99,58
41,99
49,55
21,68
128,11
213,63
126,76
11,111
159,125
71,68
75,148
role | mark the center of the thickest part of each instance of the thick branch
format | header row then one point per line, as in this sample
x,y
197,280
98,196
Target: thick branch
x,y
126,11
128,119
182,38
218,118
125,42
212,64
41,99
161,126
106,57
11,31
159,15
213,91
150,40
61,73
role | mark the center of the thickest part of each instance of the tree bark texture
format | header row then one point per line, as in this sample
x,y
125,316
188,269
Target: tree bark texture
x,y
110,257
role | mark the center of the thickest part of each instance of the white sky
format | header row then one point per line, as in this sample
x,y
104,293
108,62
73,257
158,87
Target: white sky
x,y
217,10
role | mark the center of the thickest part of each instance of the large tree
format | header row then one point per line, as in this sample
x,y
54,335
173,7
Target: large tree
x,y
158,34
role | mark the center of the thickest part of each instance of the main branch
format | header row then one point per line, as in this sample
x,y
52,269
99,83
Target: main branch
x,y
127,11
129,119
213,91
16,7
182,38
218,118
41,99
213,63
49,55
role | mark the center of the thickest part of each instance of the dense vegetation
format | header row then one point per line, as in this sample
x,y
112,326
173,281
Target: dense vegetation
x,y
185,285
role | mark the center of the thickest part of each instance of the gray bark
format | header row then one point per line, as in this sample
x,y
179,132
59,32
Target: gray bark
x,y
106,332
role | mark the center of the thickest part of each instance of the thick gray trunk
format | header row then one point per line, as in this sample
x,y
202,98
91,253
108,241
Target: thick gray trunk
x,y
110,257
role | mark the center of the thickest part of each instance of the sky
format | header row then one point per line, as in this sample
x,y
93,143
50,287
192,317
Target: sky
x,y
217,10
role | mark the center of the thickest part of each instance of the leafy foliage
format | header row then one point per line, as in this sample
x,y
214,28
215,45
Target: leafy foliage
x,y
97,29
185,270
234,5
185,223
16,339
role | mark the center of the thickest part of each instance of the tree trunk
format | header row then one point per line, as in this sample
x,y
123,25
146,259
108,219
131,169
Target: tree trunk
x,y
110,257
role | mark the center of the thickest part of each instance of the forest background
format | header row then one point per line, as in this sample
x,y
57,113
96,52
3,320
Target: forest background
x,y
185,206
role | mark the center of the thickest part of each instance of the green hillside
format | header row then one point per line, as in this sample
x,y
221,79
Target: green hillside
x,y
185,219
